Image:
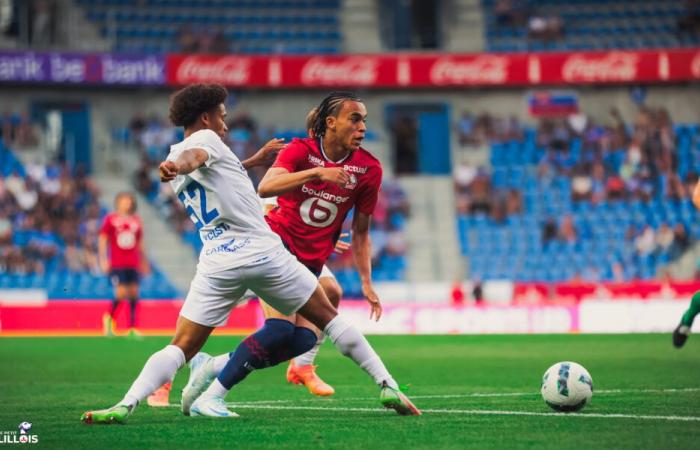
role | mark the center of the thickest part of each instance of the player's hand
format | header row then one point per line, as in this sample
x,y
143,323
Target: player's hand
x,y
145,269
335,175
373,300
269,151
341,246
266,155
104,265
168,171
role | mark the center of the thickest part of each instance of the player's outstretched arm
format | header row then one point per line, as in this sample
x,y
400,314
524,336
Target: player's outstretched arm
x,y
362,252
266,154
188,161
696,195
279,180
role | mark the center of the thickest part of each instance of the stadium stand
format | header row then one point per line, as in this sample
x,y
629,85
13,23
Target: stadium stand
x,y
611,203
48,233
516,26
195,26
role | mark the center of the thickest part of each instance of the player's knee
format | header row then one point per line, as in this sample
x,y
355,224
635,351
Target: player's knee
x,y
334,293
278,331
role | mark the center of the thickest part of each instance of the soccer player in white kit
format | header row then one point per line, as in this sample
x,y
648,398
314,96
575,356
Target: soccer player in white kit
x,y
240,251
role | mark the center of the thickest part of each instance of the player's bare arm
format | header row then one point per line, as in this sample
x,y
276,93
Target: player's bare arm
x,y
696,195
102,252
188,161
145,266
266,154
362,252
278,180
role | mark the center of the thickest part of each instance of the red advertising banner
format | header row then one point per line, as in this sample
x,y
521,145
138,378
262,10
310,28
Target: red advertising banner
x,y
437,70
229,70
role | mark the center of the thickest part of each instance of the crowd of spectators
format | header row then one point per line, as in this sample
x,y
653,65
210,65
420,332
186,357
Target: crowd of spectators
x,y
619,162
17,130
604,162
198,40
476,131
49,221
540,24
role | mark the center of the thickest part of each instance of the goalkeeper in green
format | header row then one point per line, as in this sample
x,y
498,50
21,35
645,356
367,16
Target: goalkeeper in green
x,y
682,331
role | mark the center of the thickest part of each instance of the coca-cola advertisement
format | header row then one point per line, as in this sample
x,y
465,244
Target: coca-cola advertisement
x,y
430,71
340,71
384,71
468,70
229,70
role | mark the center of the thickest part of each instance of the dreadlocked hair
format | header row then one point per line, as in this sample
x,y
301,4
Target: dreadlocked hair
x,y
330,106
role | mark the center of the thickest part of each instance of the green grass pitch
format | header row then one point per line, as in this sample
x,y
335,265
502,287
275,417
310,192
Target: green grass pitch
x,y
478,392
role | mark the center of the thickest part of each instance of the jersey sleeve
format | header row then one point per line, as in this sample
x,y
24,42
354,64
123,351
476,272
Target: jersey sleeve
x,y
208,141
367,199
290,156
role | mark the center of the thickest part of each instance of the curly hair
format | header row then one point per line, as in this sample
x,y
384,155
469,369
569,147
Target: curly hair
x,y
330,106
187,104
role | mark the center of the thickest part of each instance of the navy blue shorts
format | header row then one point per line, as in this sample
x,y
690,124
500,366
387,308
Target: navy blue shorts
x,y
124,276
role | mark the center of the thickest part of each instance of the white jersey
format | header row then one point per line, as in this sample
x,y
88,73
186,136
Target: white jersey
x,y
224,206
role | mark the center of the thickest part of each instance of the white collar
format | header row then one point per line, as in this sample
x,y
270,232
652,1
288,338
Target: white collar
x,y
323,153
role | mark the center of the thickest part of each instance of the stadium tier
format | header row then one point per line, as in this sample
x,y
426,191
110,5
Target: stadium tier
x,y
50,221
585,211
249,27
516,26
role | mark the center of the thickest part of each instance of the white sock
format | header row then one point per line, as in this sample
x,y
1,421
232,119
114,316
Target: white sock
x,y
216,389
309,357
160,368
219,362
351,343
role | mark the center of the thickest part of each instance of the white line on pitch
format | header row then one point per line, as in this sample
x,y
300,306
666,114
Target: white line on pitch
x,y
485,394
470,395
475,412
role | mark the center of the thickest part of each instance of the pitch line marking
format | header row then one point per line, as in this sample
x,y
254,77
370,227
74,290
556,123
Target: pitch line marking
x,y
484,394
476,412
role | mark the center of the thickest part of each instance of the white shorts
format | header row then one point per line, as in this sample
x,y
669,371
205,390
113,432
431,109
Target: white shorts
x,y
325,272
280,279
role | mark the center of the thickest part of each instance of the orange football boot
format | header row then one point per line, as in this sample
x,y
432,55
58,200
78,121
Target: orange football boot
x,y
306,375
161,397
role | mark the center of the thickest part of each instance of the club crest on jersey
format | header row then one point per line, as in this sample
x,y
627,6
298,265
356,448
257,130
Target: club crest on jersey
x,y
352,183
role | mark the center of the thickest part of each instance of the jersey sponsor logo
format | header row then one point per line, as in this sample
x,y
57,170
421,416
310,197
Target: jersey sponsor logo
x,y
316,161
216,232
324,195
231,246
352,183
317,212
126,239
356,169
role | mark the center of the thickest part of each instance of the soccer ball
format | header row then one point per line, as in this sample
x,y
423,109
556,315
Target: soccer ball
x,y
567,387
